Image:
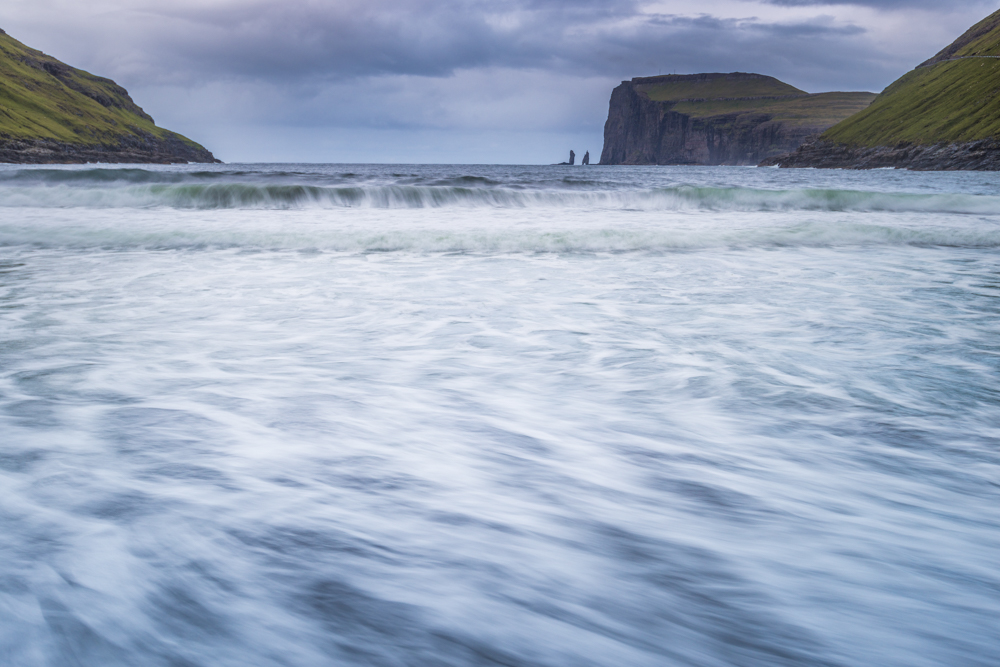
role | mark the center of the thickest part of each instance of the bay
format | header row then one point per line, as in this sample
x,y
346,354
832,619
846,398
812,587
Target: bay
x,y
478,415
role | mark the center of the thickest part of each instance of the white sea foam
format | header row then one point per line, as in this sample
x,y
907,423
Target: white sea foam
x,y
549,434
486,231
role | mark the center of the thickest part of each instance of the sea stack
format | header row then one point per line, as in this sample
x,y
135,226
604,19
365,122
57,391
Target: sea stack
x,y
943,115
572,160
53,113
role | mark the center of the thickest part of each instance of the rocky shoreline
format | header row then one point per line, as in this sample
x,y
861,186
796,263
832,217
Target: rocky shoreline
x,y
146,149
983,155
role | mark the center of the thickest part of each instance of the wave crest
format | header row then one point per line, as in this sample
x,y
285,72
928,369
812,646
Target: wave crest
x,y
129,190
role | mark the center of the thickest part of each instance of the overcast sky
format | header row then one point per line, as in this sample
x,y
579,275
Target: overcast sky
x,y
487,81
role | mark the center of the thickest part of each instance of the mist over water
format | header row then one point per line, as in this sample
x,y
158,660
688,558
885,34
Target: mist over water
x,y
498,416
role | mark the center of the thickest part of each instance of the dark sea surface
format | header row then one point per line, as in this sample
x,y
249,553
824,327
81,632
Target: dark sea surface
x,y
309,415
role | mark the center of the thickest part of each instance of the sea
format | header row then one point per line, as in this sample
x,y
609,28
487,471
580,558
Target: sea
x,y
311,415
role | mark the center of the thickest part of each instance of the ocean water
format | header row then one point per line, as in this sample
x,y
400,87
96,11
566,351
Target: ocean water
x,y
309,415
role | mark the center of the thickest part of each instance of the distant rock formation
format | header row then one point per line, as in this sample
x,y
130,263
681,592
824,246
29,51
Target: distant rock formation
x,y
586,158
943,115
52,113
716,119
572,159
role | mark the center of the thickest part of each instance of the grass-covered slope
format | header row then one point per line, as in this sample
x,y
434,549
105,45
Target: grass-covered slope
x,y
44,102
804,110
710,95
953,97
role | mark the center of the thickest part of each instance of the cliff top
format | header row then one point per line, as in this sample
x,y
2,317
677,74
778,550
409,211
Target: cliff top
x,y
950,98
717,94
713,86
818,111
43,98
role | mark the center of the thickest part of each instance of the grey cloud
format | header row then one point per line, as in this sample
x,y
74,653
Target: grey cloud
x,y
881,4
435,39
452,65
311,40
398,37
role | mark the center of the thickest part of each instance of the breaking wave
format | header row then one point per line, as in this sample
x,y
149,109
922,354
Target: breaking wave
x,y
298,187
131,192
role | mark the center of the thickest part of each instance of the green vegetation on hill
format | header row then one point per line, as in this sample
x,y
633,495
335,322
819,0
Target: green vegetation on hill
x,y
819,110
43,98
954,97
712,95
678,87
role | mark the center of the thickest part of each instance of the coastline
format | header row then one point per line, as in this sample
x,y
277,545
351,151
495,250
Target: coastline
x,y
982,155
147,149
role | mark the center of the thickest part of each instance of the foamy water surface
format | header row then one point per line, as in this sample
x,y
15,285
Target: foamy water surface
x,y
426,415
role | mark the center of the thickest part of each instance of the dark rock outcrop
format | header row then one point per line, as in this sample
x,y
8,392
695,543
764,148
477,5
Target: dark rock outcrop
x,y
981,155
641,131
728,130
586,158
139,149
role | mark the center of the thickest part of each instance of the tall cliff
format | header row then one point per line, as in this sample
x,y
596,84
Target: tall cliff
x,y
716,119
52,113
943,115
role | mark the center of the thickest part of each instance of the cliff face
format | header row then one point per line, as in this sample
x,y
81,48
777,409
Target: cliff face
x,y
943,115
715,119
53,113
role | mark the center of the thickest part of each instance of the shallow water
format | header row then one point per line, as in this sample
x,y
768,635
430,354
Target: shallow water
x,y
498,416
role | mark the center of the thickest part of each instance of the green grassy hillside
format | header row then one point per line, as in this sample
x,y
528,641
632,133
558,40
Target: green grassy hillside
x,y
953,97
714,95
43,98
819,110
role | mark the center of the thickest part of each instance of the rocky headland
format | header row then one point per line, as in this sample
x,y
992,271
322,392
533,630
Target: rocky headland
x,y
716,119
943,115
51,113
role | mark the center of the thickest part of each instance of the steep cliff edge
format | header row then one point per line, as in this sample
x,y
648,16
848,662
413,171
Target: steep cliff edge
x,y
943,115
51,113
716,119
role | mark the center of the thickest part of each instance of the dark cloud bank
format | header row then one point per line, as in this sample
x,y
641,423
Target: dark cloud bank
x,y
463,80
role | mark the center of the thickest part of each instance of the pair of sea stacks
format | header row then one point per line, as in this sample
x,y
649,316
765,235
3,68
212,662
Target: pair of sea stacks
x,y
572,158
